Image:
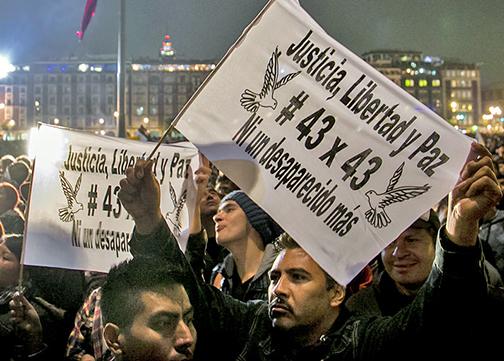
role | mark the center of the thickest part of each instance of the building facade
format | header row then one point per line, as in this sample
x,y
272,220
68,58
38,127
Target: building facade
x,y
83,95
461,93
451,89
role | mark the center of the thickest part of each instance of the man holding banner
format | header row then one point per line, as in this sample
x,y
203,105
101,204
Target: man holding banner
x,y
305,319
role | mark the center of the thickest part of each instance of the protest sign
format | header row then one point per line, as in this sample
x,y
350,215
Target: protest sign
x,y
75,219
341,157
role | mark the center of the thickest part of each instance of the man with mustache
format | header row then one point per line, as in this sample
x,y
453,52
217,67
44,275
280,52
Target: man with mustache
x,y
305,318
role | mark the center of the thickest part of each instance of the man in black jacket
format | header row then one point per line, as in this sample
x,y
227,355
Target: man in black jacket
x,y
305,318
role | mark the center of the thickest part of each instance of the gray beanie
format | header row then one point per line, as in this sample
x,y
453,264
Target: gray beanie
x,y
262,223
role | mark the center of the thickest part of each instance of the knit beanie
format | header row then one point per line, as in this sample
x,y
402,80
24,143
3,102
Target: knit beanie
x,y
262,223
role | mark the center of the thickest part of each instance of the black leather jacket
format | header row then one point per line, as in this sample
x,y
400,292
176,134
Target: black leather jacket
x,y
438,317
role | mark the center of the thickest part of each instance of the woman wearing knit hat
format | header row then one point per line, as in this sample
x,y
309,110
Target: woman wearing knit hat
x,y
244,229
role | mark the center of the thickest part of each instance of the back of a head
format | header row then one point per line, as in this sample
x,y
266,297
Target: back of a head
x,y
25,159
13,221
120,300
5,161
267,228
224,185
18,172
9,197
14,243
24,191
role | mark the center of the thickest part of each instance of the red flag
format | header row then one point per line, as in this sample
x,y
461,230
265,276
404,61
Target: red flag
x,y
89,12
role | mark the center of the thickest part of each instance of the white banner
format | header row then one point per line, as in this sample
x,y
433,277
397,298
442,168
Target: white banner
x,y
75,219
341,157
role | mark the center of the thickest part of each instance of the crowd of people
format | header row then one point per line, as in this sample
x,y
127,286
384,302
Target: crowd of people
x,y
246,290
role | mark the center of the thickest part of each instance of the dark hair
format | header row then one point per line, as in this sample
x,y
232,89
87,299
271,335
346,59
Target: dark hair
x,y
18,172
13,221
14,242
6,160
430,222
25,159
120,301
284,241
11,194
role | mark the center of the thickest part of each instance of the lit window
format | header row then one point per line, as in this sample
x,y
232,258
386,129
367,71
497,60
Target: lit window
x,y
422,83
409,83
436,82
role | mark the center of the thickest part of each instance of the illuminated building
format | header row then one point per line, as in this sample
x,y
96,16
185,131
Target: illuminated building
x,y
461,93
451,89
82,94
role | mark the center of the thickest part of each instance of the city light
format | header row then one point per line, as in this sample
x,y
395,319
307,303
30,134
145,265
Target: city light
x,y
494,116
146,120
56,121
101,121
495,110
83,67
5,67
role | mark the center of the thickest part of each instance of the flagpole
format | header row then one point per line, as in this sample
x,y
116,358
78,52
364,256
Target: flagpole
x,y
121,71
207,79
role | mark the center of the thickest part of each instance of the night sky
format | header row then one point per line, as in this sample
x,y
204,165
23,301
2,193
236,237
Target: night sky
x,y
467,30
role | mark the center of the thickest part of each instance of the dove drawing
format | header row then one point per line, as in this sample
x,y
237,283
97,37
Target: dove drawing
x,y
376,215
178,205
67,214
251,101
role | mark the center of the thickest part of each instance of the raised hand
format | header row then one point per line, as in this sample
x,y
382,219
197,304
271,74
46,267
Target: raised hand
x,y
27,323
202,175
140,196
476,193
